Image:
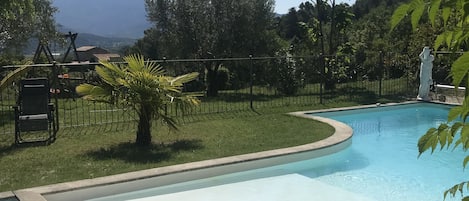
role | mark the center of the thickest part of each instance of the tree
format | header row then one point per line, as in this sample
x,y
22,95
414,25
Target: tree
x,y
288,27
370,35
208,29
288,77
22,20
452,15
362,7
143,87
330,28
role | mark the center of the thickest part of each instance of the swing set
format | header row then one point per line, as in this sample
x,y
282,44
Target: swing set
x,y
36,115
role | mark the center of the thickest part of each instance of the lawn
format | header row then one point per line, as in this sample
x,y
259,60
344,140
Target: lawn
x,y
94,151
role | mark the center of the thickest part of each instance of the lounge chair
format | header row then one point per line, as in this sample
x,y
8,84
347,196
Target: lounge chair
x,y
34,113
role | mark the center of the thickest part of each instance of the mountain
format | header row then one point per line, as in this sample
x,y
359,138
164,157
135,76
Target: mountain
x,y
113,44
109,18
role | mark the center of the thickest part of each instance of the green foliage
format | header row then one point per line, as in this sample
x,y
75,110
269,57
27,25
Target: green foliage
x,y
416,7
454,15
142,86
223,80
209,29
363,7
449,135
460,70
285,75
22,20
323,30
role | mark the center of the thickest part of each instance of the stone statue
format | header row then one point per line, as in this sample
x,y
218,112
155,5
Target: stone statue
x,y
425,74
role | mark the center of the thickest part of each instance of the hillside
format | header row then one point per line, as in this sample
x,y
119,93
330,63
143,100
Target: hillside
x,y
113,44
110,43
109,18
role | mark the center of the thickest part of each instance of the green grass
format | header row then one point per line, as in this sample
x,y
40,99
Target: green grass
x,y
89,152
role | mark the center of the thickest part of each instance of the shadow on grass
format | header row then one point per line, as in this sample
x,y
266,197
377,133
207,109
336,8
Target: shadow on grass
x,y
154,153
240,97
7,117
231,114
362,95
8,147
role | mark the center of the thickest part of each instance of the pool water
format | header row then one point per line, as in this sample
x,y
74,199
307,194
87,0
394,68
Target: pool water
x,y
384,155
382,164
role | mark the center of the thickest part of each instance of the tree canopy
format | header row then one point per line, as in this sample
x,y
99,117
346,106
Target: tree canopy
x,y
207,29
22,20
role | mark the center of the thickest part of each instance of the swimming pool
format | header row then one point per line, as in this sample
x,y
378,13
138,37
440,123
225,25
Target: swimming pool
x,y
380,165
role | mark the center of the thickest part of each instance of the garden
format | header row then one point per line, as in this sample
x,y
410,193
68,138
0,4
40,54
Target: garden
x,y
96,138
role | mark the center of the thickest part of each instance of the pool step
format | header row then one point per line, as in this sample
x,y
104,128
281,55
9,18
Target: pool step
x,y
280,188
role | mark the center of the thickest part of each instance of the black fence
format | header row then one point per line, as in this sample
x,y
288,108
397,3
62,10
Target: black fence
x,y
241,84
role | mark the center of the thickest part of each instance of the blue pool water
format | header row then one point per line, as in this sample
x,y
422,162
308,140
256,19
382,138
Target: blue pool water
x,y
382,164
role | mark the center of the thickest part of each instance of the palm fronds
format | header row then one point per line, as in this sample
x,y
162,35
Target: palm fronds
x,y
143,86
13,76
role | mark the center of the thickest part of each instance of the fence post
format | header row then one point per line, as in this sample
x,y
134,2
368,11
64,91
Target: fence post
x,y
55,83
408,80
381,71
251,80
323,80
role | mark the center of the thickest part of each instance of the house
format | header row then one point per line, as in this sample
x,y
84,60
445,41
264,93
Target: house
x,y
96,54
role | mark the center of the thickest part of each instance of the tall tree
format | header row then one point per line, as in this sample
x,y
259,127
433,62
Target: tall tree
x,y
210,29
338,17
363,7
22,20
288,25
370,35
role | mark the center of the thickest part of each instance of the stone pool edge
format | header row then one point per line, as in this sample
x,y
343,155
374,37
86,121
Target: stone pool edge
x,y
340,139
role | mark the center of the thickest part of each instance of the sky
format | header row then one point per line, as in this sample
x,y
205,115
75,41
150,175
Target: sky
x,y
282,6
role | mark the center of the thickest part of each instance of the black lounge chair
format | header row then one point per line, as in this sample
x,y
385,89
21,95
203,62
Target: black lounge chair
x,y
34,113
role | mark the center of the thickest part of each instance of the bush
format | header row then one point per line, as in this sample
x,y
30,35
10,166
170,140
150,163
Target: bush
x,y
223,78
286,77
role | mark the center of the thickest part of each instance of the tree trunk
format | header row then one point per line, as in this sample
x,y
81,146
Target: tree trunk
x,y
332,47
144,127
212,84
330,80
327,75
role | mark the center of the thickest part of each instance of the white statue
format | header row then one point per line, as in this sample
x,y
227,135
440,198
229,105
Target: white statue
x,y
425,74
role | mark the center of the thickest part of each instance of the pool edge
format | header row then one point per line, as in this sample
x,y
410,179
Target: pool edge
x,y
340,139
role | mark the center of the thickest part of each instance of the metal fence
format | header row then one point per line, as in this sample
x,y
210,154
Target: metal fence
x,y
249,83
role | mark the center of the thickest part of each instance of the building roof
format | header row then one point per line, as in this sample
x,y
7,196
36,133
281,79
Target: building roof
x,y
106,57
85,48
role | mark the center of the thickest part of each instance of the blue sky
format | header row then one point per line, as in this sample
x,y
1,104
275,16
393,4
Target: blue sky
x,y
282,6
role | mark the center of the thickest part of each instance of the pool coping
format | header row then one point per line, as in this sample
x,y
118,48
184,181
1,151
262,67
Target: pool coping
x,y
341,138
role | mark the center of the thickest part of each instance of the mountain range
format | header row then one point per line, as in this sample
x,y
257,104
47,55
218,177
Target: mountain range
x,y
107,18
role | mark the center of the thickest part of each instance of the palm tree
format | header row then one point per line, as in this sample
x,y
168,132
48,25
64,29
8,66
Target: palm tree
x,y
142,86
